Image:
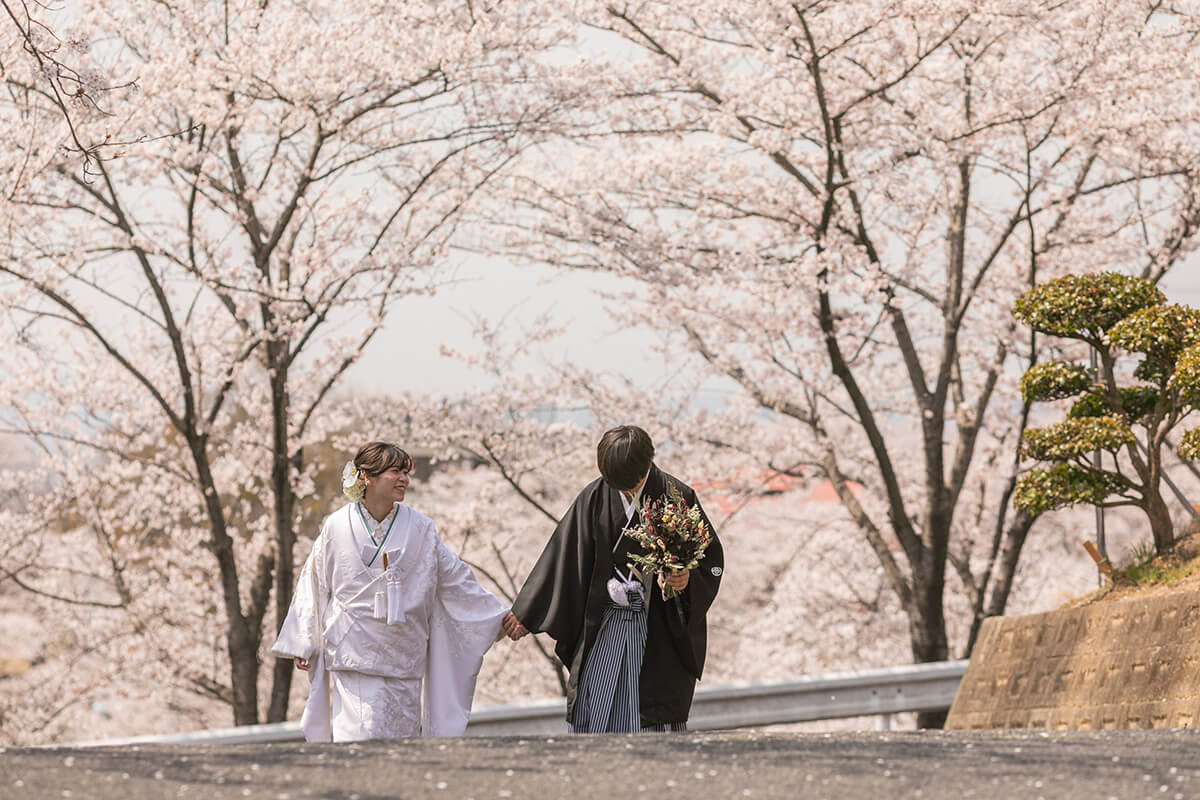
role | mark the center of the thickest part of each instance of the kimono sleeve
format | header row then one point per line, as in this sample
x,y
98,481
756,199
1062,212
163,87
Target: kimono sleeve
x,y
554,597
706,578
688,629
300,634
464,623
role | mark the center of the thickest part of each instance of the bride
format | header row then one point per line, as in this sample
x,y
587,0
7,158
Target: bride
x,y
382,610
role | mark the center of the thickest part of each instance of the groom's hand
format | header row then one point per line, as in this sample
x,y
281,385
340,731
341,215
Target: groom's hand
x,y
676,580
302,663
513,627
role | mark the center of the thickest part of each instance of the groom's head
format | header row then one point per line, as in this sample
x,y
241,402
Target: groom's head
x,y
624,455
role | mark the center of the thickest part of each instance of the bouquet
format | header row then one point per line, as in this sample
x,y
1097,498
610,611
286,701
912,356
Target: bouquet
x,y
673,534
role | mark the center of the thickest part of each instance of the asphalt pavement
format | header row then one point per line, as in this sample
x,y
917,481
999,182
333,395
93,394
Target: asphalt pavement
x,y
1013,765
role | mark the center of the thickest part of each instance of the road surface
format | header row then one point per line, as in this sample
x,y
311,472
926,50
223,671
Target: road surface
x,y
1008,765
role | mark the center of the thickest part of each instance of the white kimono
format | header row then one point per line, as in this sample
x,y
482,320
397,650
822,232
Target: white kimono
x,y
372,635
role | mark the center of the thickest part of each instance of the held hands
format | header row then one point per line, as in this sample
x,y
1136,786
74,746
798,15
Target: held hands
x,y
676,580
512,627
302,663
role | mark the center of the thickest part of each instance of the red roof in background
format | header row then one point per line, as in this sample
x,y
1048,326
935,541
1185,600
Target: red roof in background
x,y
824,492
772,483
717,494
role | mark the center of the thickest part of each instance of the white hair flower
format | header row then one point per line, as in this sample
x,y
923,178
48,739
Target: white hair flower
x,y
352,483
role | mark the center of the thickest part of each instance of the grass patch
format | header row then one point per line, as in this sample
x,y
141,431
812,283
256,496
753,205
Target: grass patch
x,y
1148,569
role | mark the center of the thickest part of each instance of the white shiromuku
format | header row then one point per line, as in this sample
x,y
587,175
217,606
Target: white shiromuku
x,y
373,636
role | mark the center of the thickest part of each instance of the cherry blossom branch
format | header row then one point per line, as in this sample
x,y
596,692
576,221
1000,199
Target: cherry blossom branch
x,y
66,84
511,481
738,374
908,539
78,318
655,46
14,576
900,585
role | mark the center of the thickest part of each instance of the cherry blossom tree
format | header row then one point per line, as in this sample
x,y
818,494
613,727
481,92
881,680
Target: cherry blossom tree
x,y
833,206
175,322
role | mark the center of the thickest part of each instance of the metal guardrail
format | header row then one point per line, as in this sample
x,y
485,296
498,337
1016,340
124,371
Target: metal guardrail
x,y
877,692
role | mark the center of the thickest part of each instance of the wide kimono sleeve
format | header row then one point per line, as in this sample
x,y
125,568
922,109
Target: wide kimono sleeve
x,y
703,585
300,634
684,619
554,597
464,623
301,637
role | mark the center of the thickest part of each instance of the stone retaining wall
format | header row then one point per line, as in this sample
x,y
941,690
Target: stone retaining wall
x,y
1130,664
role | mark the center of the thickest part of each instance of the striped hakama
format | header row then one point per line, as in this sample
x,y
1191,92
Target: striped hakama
x,y
608,699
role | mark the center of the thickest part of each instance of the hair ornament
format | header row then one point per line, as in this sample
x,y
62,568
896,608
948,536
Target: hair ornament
x,y
353,485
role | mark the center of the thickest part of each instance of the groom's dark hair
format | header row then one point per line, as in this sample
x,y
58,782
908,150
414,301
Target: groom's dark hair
x,y
623,456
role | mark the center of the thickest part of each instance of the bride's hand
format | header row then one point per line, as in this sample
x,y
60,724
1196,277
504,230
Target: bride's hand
x,y
302,663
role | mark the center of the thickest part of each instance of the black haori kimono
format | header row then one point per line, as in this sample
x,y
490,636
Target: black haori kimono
x,y
567,596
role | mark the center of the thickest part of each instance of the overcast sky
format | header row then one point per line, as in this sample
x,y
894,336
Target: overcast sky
x,y
405,357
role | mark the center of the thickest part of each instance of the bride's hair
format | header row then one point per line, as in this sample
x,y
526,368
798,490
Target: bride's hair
x,y
623,456
376,458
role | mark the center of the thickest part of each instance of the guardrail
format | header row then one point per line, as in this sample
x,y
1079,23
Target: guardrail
x,y
877,692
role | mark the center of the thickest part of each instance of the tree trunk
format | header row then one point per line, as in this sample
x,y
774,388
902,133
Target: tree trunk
x,y
285,536
1160,522
928,634
243,659
932,720
929,645
927,623
241,641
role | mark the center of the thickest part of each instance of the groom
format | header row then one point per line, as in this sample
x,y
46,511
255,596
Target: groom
x,y
633,657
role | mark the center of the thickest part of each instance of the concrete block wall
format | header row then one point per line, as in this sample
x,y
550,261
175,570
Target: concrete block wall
x,y
1129,664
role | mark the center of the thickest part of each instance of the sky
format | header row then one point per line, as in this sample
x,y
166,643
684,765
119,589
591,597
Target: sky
x,y
405,355
1182,283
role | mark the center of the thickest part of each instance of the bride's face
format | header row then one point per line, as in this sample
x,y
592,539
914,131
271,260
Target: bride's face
x,y
388,485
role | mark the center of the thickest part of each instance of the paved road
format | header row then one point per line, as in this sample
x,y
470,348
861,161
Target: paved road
x,y
1128,765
